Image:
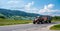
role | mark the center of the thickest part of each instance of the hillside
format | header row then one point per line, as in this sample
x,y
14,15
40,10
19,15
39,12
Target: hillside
x,y
8,12
17,14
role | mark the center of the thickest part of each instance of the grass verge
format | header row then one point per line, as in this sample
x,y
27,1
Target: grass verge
x,y
13,22
55,27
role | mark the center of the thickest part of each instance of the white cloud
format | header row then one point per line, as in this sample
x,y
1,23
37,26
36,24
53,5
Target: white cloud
x,y
28,6
47,10
12,4
49,6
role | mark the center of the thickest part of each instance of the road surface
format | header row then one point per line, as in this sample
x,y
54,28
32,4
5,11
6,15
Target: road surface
x,y
27,27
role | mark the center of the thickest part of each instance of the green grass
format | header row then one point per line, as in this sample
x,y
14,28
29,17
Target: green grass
x,y
13,22
55,27
55,20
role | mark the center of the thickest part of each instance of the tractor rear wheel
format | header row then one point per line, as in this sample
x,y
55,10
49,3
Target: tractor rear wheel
x,y
49,21
41,22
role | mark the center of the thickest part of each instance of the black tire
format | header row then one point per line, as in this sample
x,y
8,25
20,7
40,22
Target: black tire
x,y
38,22
34,22
49,21
41,22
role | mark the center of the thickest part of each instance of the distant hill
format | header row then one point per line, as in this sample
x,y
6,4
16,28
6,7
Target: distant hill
x,y
8,13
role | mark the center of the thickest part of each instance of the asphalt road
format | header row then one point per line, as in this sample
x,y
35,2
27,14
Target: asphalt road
x,y
27,27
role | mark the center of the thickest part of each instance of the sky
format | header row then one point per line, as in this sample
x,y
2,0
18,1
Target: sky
x,y
43,7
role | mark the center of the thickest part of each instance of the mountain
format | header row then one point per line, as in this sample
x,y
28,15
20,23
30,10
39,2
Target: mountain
x,y
8,12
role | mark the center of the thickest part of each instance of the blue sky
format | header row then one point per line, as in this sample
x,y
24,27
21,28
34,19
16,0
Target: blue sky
x,y
44,7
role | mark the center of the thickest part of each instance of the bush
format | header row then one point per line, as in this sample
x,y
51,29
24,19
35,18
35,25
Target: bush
x,y
2,17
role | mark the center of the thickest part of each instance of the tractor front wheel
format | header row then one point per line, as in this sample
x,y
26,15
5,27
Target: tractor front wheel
x,y
34,22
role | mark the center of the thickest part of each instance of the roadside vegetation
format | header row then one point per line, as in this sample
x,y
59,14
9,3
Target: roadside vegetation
x,y
55,27
13,22
55,18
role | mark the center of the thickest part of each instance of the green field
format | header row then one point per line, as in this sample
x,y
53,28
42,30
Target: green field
x,y
13,22
55,27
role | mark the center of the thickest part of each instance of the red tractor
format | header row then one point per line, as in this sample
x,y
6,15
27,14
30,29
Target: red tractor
x,y
42,19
